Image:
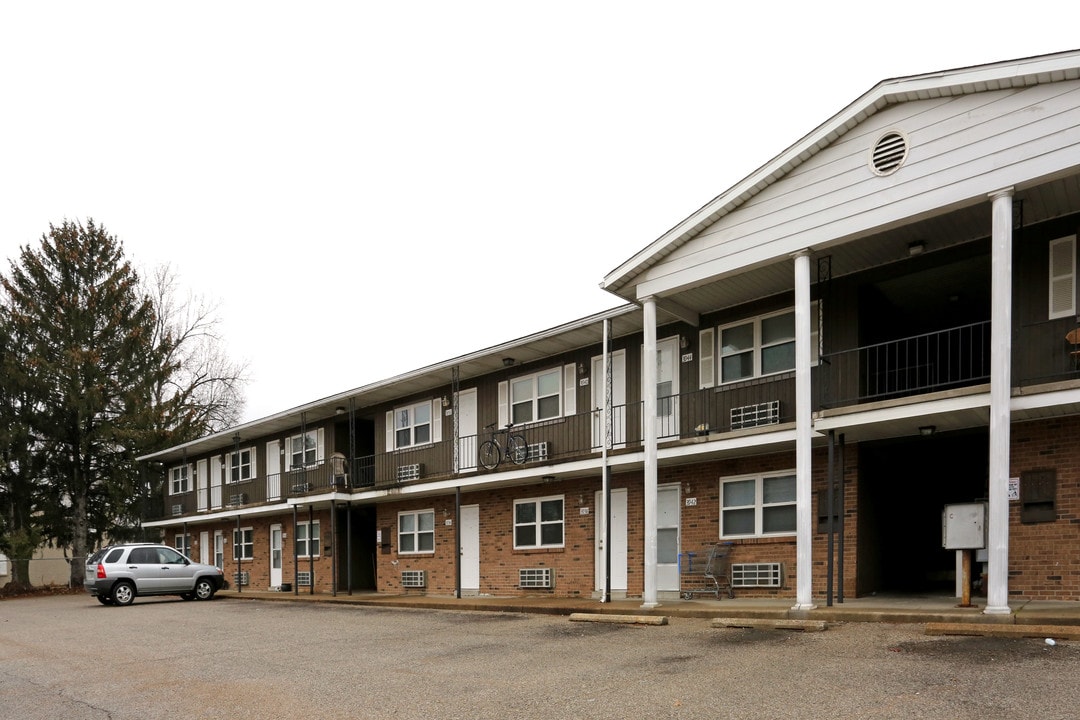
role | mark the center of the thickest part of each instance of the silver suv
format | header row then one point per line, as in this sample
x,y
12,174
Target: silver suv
x,y
117,573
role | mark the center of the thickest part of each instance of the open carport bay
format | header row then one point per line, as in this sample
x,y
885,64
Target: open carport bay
x,y
69,657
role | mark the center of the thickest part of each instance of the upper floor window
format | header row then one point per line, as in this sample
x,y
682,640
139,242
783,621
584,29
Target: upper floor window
x,y
536,397
412,425
179,481
303,449
416,531
241,465
760,346
757,505
538,522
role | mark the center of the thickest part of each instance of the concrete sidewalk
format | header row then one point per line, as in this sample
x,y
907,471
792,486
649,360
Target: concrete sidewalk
x,y
889,609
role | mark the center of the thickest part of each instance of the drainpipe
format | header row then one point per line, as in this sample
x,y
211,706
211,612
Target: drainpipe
x,y
997,597
648,373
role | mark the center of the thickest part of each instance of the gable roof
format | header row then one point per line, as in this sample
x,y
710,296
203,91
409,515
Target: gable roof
x,y
981,78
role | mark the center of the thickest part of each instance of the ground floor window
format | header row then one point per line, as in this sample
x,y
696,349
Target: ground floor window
x,y
538,522
183,544
416,531
307,539
758,505
244,544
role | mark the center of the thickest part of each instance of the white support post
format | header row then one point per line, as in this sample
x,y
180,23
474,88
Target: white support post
x,y
804,528
648,374
997,596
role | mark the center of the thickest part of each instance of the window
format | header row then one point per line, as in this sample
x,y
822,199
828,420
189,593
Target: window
x,y
178,480
1062,277
241,466
757,347
243,544
303,449
755,506
412,425
536,397
307,539
538,522
416,531
183,544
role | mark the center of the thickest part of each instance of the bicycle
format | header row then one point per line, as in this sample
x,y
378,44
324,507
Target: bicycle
x,y
492,453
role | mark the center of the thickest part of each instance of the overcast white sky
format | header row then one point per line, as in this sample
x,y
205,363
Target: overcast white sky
x,y
371,187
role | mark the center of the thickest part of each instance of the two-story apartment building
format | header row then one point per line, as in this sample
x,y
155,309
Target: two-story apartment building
x,y
878,323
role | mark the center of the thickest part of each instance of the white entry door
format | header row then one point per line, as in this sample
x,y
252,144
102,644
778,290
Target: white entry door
x,y
667,387
470,549
618,399
618,541
275,555
467,444
273,470
667,538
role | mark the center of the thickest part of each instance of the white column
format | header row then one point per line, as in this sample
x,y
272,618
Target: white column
x,y
648,381
997,595
804,528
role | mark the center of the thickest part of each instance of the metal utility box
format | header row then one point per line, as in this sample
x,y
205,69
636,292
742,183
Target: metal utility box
x,y
963,526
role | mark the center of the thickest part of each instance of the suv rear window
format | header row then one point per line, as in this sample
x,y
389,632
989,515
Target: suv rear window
x,y
114,556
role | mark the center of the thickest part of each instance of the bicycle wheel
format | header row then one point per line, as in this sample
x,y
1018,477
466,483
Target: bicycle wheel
x,y
517,449
489,455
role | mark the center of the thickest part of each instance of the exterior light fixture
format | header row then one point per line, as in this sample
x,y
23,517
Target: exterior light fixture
x,y
916,248
507,361
927,430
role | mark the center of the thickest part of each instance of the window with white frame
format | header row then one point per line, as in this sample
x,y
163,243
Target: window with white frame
x,y
183,544
303,449
307,539
536,397
179,481
243,543
756,347
538,522
754,506
416,531
241,465
412,425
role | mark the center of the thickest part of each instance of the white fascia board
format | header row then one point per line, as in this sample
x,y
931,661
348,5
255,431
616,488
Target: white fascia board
x,y
902,412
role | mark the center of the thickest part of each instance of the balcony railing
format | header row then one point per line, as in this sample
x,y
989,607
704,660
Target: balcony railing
x,y
951,358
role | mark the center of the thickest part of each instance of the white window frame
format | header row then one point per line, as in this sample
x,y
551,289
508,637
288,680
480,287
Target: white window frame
x,y
180,479
538,523
308,538
405,422
249,465
716,354
533,383
759,505
219,549
290,455
1061,266
245,543
182,543
416,533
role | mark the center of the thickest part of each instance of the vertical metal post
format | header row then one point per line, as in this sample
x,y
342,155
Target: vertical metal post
x,y
238,548
310,550
348,547
333,548
840,534
295,553
457,541
830,505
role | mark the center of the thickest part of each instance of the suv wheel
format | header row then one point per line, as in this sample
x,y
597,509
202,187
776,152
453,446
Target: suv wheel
x,y
123,593
204,589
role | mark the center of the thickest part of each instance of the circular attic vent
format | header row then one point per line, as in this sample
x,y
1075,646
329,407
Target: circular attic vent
x,y
889,153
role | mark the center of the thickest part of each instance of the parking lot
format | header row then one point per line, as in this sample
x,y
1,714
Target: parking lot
x,y
69,657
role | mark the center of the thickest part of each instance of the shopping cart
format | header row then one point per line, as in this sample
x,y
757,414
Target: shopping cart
x,y
706,573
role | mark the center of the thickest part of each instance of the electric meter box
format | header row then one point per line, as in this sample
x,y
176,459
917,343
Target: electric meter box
x,y
963,526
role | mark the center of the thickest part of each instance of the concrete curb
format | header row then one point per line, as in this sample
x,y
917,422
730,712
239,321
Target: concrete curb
x,y
625,619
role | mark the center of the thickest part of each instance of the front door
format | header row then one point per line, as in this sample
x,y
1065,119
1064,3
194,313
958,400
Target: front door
x,y
467,430
618,541
667,538
470,550
275,556
618,399
667,387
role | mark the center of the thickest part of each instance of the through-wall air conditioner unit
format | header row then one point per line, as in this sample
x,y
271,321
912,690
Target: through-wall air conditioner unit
x,y
303,578
536,578
748,416
300,487
538,452
177,510
409,472
237,498
242,578
769,575
413,578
